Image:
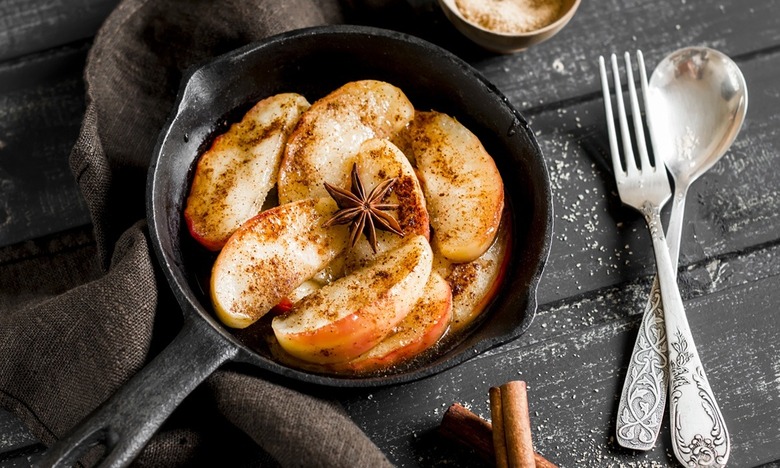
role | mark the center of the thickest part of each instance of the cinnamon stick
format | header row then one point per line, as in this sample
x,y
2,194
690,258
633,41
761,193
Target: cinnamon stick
x,y
499,431
517,425
466,428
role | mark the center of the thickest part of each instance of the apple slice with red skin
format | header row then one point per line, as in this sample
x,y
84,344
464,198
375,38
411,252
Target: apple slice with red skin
x,y
462,185
271,255
421,329
475,286
346,318
233,177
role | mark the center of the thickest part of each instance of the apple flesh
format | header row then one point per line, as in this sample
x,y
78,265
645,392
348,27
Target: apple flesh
x,y
421,329
324,144
462,185
233,177
476,283
346,318
271,255
379,160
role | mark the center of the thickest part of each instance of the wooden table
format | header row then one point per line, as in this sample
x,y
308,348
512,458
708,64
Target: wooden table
x,y
574,355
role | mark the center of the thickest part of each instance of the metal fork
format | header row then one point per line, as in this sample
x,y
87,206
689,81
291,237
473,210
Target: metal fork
x,y
643,400
699,434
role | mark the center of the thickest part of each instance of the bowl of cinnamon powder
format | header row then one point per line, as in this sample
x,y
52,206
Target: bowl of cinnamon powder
x,y
508,26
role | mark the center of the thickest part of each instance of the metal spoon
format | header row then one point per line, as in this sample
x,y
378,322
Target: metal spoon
x,y
697,100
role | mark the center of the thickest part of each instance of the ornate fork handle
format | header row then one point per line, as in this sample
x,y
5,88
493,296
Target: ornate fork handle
x,y
643,400
699,434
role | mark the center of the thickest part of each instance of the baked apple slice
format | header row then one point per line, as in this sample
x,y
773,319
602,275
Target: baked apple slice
x,y
379,160
324,144
346,318
271,255
420,330
476,283
233,177
462,185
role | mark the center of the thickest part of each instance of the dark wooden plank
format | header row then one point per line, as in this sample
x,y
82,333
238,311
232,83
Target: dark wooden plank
x,y
41,107
22,461
514,88
14,437
28,26
574,360
577,349
598,243
565,67
574,355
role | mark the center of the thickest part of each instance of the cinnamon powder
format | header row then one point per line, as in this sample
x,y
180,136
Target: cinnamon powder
x,y
510,16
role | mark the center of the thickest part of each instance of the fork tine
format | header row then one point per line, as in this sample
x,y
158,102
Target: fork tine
x,y
628,152
643,82
639,131
613,145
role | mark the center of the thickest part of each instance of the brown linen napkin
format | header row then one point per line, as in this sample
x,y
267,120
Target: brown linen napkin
x,y
81,314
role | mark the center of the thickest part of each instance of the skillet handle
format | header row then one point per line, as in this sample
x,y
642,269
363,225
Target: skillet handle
x,y
129,418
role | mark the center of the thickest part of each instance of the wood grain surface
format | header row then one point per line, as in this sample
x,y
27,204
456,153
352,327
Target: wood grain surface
x,y
28,26
574,355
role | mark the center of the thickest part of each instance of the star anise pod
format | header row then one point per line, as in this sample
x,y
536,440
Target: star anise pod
x,y
364,212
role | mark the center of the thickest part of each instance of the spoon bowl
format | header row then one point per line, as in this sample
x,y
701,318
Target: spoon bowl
x,y
697,104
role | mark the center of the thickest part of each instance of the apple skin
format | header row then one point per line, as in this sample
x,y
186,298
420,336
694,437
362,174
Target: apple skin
x,y
282,307
421,329
346,318
463,188
270,256
234,176
324,144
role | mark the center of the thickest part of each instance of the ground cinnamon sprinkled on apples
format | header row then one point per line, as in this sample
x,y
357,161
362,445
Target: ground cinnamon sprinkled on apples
x,y
462,276
510,16
410,218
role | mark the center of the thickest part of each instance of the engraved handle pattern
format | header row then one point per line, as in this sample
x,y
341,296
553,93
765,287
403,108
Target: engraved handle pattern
x,y
643,399
699,434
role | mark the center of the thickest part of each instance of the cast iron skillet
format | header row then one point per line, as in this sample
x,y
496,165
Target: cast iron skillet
x,y
313,62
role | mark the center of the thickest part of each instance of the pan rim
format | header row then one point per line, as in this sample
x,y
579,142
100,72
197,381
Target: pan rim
x,y
182,290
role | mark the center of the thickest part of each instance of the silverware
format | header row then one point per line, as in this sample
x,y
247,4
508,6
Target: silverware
x,y
697,100
699,434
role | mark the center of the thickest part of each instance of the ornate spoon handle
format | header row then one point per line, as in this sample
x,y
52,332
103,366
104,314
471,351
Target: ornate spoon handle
x,y
643,400
699,434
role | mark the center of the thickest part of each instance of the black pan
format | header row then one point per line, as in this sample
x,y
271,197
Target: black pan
x,y
313,62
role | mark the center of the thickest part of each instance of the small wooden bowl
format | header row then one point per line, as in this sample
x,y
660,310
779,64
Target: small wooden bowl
x,y
506,43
